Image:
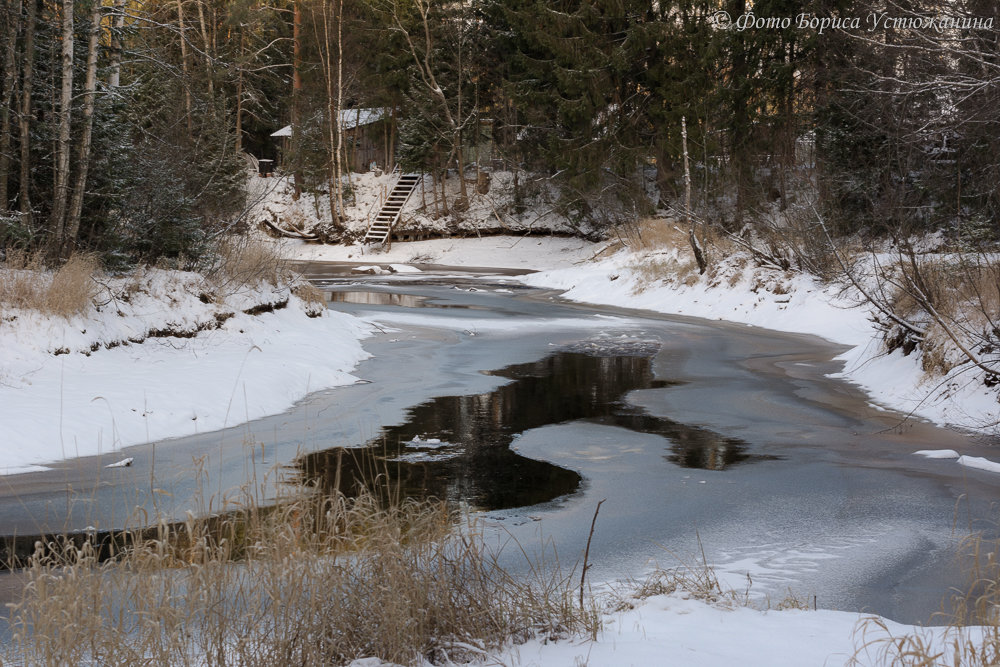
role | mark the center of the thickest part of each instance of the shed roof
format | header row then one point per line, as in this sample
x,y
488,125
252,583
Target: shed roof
x,y
349,119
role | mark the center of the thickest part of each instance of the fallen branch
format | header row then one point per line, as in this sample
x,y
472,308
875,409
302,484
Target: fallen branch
x,y
290,234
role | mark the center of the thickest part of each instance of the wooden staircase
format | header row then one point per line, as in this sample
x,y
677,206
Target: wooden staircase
x,y
380,228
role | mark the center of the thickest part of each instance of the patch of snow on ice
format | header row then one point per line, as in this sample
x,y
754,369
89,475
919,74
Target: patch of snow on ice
x,y
979,463
937,453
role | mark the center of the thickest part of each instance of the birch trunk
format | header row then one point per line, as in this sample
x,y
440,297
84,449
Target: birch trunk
x,y
83,158
24,122
61,191
209,68
184,67
117,24
296,95
340,103
9,79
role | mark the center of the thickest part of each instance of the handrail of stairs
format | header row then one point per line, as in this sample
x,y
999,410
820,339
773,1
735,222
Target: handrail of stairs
x,y
383,195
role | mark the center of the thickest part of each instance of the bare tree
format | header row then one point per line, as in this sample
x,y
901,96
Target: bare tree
x,y
13,22
24,122
61,190
420,42
83,158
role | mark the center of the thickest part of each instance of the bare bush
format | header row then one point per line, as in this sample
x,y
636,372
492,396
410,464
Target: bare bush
x,y
313,297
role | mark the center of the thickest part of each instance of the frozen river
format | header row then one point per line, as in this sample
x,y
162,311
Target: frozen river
x,y
528,411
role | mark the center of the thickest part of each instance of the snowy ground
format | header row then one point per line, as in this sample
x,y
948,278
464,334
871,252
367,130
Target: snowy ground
x,y
157,362
678,630
486,213
510,252
675,629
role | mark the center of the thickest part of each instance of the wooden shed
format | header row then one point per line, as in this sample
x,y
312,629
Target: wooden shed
x,y
367,139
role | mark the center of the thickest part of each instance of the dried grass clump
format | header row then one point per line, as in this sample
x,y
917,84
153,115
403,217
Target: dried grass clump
x,y
953,298
971,637
656,234
244,262
73,288
316,581
314,298
695,579
25,283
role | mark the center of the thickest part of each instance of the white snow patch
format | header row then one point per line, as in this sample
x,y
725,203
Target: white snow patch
x,y
979,463
937,453
404,268
676,629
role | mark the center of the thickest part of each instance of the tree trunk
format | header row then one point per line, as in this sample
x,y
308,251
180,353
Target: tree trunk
x,y
117,24
9,79
296,95
340,105
209,68
334,124
83,159
24,122
185,68
239,94
699,253
61,190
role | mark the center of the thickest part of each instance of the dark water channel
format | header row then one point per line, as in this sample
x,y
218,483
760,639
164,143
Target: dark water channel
x,y
458,447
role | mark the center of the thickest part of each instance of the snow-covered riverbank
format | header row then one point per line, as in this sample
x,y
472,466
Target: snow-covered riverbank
x,y
678,629
739,291
162,358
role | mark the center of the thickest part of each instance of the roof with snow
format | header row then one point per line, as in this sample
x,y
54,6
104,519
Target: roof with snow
x,y
349,119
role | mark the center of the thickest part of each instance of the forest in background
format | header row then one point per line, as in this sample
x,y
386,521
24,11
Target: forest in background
x,y
124,124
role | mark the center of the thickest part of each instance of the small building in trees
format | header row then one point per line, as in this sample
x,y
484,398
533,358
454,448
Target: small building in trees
x,y
368,139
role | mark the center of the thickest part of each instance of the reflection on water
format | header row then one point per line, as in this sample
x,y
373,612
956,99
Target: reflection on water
x,y
376,298
458,447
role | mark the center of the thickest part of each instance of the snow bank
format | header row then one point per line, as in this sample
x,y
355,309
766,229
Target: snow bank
x,y
937,453
739,291
162,358
507,252
484,213
675,629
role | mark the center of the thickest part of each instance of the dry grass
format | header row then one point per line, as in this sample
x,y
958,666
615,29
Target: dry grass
x,y
964,294
317,581
240,261
655,234
313,297
971,637
25,283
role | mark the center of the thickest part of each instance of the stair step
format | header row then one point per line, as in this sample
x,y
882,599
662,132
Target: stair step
x,y
392,208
